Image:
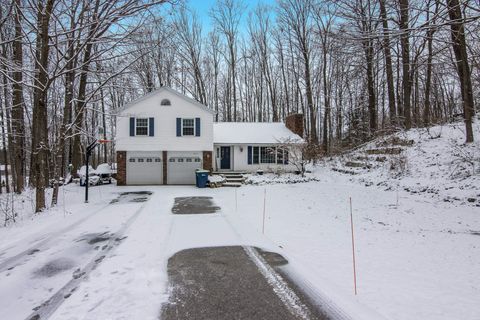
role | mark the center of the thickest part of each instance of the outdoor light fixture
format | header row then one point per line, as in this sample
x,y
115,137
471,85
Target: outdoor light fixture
x,y
241,149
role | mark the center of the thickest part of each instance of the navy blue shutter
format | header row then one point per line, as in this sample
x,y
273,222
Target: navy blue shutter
x,y
151,127
132,127
179,127
249,154
197,127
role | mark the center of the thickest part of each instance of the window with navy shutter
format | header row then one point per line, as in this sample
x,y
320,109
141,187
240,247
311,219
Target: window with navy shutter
x,y
256,155
151,127
197,127
179,127
132,127
249,155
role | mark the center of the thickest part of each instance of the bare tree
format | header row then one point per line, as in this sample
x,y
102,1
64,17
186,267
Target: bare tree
x,y
296,17
226,15
463,68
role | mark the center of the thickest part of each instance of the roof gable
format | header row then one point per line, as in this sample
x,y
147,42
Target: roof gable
x,y
170,90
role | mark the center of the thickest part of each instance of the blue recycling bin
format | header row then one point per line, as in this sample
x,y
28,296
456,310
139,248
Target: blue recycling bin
x,y
202,178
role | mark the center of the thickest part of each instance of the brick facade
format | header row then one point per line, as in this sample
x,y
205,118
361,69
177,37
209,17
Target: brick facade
x,y
164,168
207,160
294,122
121,168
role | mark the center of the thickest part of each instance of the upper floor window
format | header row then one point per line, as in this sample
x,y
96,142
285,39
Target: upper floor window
x,y
141,126
188,127
165,102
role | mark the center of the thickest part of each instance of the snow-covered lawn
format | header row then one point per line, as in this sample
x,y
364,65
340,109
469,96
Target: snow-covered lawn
x,y
417,260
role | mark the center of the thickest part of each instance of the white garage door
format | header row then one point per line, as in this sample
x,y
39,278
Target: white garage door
x,y
144,168
181,167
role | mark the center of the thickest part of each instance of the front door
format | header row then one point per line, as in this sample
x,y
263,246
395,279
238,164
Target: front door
x,y
225,158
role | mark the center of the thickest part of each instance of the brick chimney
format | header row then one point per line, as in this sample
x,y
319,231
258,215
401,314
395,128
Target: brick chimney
x,y
294,122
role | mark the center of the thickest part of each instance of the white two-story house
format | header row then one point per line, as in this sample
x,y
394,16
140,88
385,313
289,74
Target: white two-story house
x,y
164,136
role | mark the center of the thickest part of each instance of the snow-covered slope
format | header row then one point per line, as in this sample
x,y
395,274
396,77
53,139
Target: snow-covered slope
x,y
433,162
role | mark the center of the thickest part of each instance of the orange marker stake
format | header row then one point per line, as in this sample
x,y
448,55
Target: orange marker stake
x,y
353,250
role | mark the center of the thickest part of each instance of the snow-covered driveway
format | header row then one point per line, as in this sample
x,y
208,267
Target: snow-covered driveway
x,y
417,260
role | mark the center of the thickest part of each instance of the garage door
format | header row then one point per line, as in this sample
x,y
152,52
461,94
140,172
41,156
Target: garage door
x,y
144,168
181,167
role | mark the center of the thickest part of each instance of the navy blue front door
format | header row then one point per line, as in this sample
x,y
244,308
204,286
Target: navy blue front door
x,y
224,157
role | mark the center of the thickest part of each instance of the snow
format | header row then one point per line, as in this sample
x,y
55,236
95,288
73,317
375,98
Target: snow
x,y
215,178
417,255
253,133
83,170
103,168
415,261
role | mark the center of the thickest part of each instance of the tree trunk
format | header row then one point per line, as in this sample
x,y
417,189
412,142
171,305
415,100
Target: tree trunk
x,y
463,69
372,109
77,156
4,142
388,65
39,124
309,93
405,47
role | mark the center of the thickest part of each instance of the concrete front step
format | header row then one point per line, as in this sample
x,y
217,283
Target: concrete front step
x,y
232,184
233,175
226,173
232,179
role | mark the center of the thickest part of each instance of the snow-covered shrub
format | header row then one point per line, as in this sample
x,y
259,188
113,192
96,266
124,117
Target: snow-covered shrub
x,y
7,208
398,164
465,161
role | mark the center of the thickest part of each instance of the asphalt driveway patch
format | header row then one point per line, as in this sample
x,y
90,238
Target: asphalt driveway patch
x,y
224,283
194,205
132,196
54,267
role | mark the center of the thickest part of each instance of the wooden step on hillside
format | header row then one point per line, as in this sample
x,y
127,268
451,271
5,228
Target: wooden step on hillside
x,y
355,164
371,158
344,171
385,151
396,141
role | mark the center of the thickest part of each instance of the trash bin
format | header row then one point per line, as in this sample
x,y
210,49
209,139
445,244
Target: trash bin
x,y
202,178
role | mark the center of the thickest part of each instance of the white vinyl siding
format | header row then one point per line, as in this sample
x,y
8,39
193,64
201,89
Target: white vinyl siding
x,y
165,137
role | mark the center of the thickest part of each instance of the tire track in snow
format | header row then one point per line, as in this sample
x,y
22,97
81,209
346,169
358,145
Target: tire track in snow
x,y
42,243
281,288
289,298
47,308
